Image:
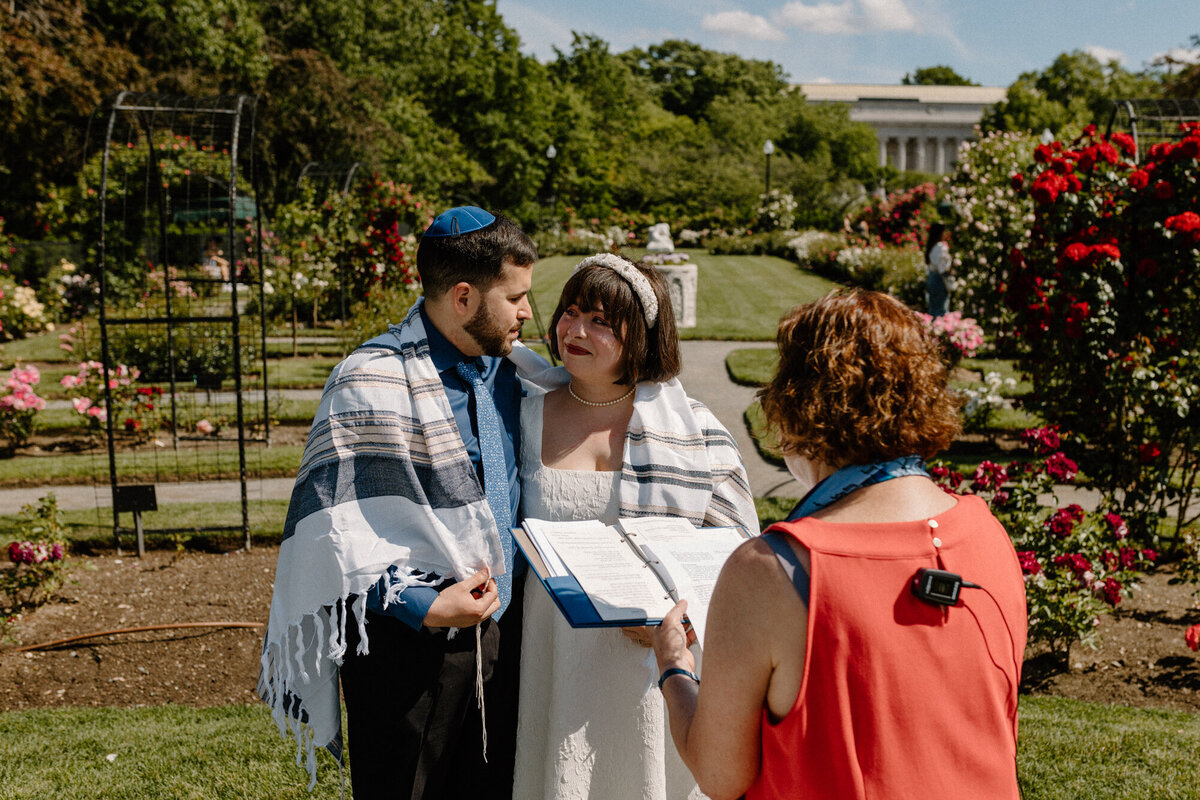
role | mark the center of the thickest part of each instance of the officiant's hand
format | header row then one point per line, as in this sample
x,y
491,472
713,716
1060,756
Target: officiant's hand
x,y
639,635
671,640
465,603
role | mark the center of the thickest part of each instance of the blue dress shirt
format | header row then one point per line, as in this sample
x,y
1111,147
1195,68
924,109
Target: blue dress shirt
x,y
500,376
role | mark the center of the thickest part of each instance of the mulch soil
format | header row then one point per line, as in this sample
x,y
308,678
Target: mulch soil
x,y
1142,660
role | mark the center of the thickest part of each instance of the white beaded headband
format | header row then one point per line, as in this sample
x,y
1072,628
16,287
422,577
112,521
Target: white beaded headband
x,y
636,280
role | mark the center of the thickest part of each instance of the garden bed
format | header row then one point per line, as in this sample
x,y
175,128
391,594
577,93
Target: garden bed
x,y
1141,662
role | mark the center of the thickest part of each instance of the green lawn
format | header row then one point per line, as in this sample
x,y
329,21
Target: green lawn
x,y
739,297
87,529
1068,750
154,465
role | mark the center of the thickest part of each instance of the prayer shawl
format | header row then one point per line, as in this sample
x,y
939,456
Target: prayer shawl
x,y
386,480
678,460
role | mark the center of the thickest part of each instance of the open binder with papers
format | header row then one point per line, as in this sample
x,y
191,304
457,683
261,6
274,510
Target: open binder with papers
x,y
630,573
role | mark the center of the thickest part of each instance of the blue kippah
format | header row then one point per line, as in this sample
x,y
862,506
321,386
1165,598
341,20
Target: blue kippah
x,y
463,219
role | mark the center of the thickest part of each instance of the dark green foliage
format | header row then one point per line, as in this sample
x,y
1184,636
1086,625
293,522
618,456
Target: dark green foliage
x,y
941,75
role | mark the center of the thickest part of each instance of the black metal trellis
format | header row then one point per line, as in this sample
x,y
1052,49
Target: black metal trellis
x,y
175,171
1151,122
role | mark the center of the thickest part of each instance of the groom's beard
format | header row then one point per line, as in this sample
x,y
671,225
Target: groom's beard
x,y
491,338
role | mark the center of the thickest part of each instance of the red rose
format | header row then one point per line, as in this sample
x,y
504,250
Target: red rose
x,y
1018,180
1139,179
1125,142
1149,452
1110,250
1047,187
1164,190
1031,566
1192,637
1190,147
1076,252
1187,222
1061,468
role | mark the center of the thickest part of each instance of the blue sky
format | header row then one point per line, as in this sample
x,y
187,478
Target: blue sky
x,y
874,41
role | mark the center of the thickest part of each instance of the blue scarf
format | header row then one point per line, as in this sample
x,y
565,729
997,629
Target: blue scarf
x,y
852,478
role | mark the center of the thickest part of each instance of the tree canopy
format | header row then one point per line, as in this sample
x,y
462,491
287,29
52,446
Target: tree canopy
x,y
940,75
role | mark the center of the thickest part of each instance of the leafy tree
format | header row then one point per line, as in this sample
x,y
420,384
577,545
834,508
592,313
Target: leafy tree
x,y
1077,89
1184,83
941,75
54,70
688,78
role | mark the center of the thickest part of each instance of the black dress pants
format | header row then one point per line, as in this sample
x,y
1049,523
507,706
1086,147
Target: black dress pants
x,y
414,724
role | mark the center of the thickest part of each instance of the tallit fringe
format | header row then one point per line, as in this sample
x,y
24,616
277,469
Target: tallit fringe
x,y
479,686
282,669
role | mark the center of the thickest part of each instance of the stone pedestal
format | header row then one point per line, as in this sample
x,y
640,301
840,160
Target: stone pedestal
x,y
682,280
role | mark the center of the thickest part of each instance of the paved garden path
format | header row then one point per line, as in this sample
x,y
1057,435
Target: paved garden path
x,y
704,377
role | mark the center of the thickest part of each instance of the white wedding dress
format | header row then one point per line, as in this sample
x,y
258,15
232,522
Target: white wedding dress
x,y
591,723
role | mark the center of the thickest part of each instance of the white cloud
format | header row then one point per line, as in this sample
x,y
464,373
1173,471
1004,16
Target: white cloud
x,y
1105,55
849,17
1178,55
539,33
742,24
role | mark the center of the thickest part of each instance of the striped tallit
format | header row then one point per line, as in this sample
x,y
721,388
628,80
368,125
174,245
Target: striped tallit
x,y
385,480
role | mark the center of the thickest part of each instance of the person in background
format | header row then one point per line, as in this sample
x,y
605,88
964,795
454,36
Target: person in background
x,y
937,271
835,665
214,263
616,436
397,561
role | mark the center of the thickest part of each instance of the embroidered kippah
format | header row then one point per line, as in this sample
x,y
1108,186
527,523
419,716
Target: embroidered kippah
x,y
460,220
636,280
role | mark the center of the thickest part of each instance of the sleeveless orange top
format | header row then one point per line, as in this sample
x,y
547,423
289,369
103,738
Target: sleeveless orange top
x,y
900,698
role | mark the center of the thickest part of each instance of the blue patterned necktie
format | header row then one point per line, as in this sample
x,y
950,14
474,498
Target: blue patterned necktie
x,y
495,473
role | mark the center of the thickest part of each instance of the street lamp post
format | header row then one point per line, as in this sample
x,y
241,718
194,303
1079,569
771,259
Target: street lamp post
x,y
768,149
551,152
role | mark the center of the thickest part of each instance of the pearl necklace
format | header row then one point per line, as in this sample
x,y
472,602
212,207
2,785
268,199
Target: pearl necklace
x,y
622,398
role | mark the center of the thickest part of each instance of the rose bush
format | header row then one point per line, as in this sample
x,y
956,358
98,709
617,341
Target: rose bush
x,y
37,556
1105,296
19,405
1077,565
958,336
991,217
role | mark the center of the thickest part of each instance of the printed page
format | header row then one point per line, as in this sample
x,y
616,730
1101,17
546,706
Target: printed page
x,y
617,581
692,556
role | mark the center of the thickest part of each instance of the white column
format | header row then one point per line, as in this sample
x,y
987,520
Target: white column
x,y
902,153
941,156
883,143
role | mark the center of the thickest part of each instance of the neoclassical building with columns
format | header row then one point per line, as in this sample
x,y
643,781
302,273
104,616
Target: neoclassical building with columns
x,y
917,127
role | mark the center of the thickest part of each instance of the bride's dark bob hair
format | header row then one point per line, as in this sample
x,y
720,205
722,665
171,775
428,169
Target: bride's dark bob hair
x,y
649,354
859,380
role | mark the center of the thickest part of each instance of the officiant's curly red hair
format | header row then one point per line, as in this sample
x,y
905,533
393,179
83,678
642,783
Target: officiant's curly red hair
x,y
859,380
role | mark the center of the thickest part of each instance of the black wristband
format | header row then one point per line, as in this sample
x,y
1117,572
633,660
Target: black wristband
x,y
676,671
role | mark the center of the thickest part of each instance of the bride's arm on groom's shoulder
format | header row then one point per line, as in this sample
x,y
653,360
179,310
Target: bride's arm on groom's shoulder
x,y
716,725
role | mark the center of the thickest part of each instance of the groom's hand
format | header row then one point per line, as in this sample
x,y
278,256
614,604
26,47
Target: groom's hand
x,y
465,603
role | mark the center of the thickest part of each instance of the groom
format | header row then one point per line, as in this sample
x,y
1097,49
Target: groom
x,y
409,480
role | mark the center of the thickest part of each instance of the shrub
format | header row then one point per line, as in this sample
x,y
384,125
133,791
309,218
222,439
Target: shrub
x,y
1077,565
37,556
958,336
19,407
991,217
1105,294
776,211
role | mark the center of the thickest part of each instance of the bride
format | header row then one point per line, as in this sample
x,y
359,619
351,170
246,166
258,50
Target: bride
x,y
617,438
